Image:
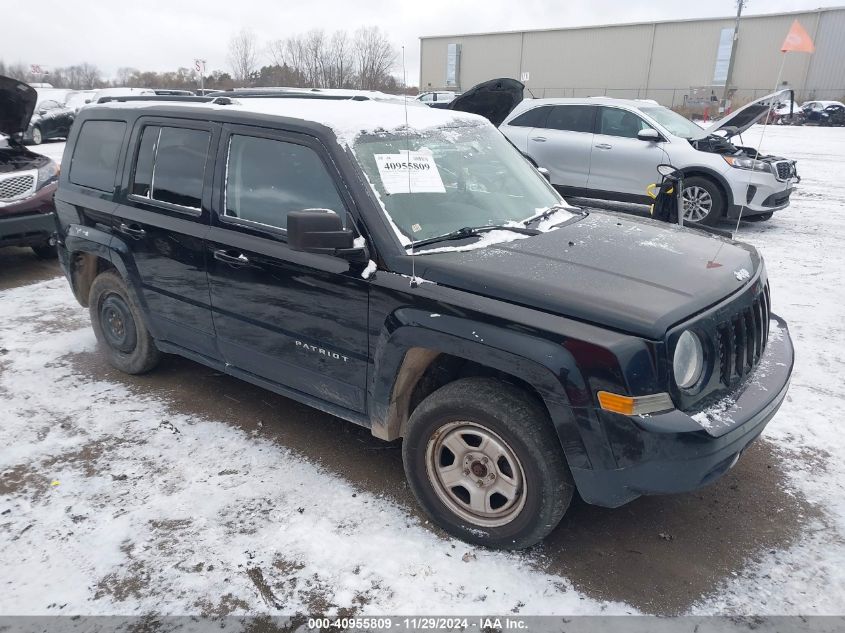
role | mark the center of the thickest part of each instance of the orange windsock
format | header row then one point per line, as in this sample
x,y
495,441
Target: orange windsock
x,y
798,40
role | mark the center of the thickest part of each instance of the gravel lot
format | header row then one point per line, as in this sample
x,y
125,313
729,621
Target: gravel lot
x,y
186,491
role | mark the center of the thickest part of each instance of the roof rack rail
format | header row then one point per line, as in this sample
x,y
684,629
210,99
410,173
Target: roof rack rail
x,y
176,98
309,94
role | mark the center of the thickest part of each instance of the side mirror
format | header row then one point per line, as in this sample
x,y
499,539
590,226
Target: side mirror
x,y
648,134
545,173
321,231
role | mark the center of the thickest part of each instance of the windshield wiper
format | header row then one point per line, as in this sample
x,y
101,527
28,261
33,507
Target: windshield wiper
x,y
549,212
471,231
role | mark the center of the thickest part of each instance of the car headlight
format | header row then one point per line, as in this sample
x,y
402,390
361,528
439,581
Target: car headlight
x,y
747,163
47,174
688,363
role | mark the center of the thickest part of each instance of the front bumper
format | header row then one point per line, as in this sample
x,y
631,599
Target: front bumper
x,y
677,451
30,221
756,193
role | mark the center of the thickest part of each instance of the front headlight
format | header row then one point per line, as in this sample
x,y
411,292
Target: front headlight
x,y
47,174
747,163
688,362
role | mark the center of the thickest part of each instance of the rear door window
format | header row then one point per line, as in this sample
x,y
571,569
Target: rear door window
x,y
571,118
268,178
170,165
96,153
535,117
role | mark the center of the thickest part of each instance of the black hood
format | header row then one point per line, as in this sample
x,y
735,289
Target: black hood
x,y
492,99
17,103
637,276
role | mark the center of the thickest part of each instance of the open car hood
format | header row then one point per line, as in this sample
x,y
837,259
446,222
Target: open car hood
x,y
740,120
17,103
492,99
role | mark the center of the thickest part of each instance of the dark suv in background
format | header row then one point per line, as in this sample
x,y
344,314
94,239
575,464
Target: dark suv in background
x,y
407,269
27,180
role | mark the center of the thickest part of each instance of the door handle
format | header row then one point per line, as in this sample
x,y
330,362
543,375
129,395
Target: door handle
x,y
233,258
132,230
539,139
604,146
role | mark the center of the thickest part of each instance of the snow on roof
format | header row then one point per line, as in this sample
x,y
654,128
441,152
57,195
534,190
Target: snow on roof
x,y
347,119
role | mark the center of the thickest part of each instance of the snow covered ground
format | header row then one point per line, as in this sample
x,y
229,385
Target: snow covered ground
x,y
113,501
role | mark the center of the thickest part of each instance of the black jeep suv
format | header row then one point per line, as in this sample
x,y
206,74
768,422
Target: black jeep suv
x,y
408,270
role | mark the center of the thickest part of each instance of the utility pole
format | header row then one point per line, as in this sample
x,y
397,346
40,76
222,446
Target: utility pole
x,y
739,6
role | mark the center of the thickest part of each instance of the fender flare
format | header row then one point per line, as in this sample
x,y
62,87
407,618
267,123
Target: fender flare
x,y
92,241
719,178
412,338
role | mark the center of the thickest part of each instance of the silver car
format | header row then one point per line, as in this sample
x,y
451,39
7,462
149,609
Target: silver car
x,y
607,148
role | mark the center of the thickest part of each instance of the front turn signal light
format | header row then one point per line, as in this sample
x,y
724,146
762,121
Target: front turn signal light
x,y
635,405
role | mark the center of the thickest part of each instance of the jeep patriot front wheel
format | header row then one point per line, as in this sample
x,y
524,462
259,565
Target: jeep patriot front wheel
x,y
484,462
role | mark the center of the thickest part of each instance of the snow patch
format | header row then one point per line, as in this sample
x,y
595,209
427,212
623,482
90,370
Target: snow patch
x,y
369,270
487,239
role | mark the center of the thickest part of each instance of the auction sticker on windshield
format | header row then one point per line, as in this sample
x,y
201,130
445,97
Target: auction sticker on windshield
x,y
409,172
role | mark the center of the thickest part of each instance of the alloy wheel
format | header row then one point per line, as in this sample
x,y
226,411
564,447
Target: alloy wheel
x,y
697,203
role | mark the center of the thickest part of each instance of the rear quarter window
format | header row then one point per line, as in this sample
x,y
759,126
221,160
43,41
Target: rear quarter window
x,y
535,117
95,155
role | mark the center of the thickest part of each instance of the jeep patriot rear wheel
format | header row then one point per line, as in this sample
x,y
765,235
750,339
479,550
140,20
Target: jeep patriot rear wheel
x,y
483,460
120,326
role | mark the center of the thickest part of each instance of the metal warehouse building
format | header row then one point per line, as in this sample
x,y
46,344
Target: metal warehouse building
x,y
676,63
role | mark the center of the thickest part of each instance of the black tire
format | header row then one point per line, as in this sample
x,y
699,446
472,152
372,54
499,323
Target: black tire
x,y
37,137
120,326
44,251
695,184
509,415
760,217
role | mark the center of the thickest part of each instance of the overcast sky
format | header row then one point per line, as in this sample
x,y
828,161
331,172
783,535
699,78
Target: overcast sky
x,y
165,34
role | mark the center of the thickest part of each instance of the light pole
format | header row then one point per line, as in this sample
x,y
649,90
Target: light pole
x,y
739,5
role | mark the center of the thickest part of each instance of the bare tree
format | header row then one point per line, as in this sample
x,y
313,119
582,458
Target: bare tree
x,y
18,71
341,64
125,75
243,55
374,56
90,76
278,52
315,47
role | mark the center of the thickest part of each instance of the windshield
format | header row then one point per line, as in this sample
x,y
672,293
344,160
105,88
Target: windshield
x,y
465,176
673,122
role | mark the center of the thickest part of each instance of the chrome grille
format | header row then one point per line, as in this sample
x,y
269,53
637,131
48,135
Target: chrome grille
x,y
16,186
741,339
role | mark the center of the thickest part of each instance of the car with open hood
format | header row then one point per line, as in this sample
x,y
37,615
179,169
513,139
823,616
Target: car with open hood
x,y
408,270
600,147
27,180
